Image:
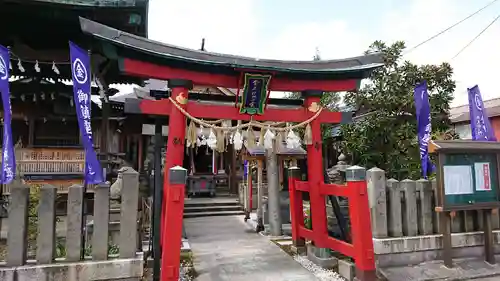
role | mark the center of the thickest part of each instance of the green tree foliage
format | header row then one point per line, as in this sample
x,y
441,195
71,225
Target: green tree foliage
x,y
387,136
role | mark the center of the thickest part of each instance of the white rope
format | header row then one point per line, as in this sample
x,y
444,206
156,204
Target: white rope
x,y
252,123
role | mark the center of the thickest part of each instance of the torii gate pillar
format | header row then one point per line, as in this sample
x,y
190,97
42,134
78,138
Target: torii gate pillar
x,y
315,175
174,157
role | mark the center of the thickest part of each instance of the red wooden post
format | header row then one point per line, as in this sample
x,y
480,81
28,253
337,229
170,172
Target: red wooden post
x,y
170,258
174,157
315,174
359,213
296,207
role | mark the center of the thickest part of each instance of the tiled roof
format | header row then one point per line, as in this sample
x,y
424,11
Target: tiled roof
x,y
461,113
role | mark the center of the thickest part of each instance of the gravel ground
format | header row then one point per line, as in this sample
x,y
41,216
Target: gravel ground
x,y
320,273
183,274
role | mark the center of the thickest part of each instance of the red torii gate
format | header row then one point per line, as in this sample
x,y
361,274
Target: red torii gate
x,y
183,68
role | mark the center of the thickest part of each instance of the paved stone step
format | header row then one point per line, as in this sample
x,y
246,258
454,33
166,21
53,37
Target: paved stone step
x,y
224,194
195,209
213,214
205,202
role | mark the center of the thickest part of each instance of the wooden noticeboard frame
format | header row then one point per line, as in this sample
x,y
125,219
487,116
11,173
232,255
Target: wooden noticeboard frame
x,y
468,178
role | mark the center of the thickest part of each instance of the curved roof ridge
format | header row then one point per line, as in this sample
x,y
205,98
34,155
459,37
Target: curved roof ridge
x,y
103,32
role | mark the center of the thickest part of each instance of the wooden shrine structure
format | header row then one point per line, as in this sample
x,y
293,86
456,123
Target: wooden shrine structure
x,y
44,118
184,68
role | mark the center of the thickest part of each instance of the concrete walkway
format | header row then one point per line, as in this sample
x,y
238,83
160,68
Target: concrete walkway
x,y
226,249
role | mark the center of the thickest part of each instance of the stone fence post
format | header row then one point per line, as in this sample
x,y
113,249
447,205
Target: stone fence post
x,y
74,219
406,208
425,223
100,231
400,209
410,222
395,223
378,201
128,220
17,236
46,239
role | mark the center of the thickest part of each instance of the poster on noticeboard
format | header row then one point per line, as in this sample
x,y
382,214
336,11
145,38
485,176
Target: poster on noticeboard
x,y
483,178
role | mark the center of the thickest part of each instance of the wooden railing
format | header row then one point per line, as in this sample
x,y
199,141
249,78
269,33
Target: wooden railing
x,y
42,161
49,166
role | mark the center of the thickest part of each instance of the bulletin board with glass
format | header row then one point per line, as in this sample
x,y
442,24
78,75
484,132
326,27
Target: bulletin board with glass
x,y
470,180
467,179
467,174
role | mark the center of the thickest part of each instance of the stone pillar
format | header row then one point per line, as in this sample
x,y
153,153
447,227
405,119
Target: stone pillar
x,y
469,217
495,220
273,192
100,233
17,236
128,216
426,225
46,239
74,232
436,216
378,202
410,225
395,225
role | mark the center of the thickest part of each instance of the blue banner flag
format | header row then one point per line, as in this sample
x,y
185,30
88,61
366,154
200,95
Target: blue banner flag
x,y
80,69
8,155
423,110
479,122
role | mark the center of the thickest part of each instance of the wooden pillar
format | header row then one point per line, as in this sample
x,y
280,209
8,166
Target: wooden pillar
x,y
139,153
280,173
31,131
174,187
121,147
233,180
221,161
316,173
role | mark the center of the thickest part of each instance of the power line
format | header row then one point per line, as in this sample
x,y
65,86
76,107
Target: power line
x,y
475,38
450,27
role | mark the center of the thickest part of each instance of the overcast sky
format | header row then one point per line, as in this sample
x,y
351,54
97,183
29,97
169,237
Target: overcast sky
x,y
293,29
